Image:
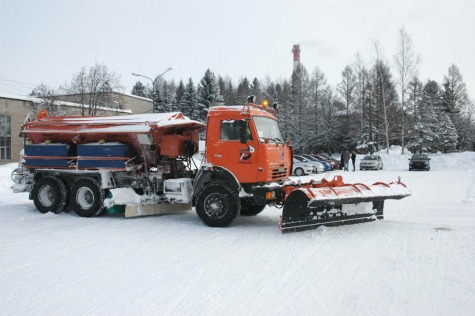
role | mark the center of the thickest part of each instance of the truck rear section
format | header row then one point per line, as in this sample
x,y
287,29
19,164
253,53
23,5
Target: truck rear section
x,y
89,164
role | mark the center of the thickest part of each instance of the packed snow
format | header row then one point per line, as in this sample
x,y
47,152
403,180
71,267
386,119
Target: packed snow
x,y
419,260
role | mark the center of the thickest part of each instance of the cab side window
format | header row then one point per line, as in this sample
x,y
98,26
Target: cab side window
x,y
229,130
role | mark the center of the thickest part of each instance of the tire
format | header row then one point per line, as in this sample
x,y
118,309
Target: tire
x,y
299,172
217,205
18,175
250,209
87,198
49,195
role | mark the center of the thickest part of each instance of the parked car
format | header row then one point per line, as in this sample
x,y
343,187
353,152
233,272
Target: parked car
x,y
319,166
326,165
371,162
302,168
419,162
334,163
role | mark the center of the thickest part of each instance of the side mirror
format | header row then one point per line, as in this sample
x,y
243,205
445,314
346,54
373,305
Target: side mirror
x,y
243,131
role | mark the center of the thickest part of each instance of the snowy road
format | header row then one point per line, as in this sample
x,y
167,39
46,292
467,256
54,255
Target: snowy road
x,y
419,261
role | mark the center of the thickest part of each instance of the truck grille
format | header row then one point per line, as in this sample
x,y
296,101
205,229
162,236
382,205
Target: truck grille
x,y
279,173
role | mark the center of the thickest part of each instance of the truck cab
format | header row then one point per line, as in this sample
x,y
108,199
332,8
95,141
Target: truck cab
x,y
247,142
246,158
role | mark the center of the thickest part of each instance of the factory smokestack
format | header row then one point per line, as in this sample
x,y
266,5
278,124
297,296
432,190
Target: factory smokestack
x,y
296,53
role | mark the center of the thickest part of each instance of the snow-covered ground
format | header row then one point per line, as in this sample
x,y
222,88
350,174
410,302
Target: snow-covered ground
x,y
420,260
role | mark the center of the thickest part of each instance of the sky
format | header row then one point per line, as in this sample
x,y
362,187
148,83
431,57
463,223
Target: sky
x,y
48,41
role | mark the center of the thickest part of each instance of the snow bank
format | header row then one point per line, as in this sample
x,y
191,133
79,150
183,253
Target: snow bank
x,y
417,261
5,176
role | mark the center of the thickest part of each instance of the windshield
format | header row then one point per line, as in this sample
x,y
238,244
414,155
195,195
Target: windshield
x,y
267,128
370,158
416,157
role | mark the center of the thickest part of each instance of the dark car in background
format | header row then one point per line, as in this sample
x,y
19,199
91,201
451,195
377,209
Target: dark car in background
x,y
419,162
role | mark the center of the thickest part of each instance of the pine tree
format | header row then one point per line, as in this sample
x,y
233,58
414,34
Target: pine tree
x,y
179,97
424,134
365,143
255,89
447,135
455,98
208,93
139,89
165,99
243,91
190,101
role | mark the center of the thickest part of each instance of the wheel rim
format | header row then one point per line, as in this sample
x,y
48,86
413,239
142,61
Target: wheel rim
x,y
215,205
46,196
85,198
299,172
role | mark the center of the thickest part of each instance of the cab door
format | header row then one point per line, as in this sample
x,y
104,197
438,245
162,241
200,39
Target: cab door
x,y
227,151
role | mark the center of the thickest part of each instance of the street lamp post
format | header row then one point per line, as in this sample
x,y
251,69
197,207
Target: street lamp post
x,y
153,84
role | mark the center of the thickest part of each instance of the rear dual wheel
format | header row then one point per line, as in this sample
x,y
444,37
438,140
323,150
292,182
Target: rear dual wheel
x,y
50,194
87,197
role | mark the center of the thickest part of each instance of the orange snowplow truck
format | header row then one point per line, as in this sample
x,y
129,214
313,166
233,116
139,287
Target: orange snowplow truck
x,y
143,164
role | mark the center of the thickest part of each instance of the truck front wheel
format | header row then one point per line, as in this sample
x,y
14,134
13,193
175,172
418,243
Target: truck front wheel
x,y
87,198
217,205
49,195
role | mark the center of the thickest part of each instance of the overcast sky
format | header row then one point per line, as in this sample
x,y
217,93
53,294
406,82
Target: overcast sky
x,y
46,41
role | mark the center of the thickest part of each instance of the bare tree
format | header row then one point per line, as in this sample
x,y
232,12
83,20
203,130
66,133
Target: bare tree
x,y
347,89
48,97
406,63
93,88
318,85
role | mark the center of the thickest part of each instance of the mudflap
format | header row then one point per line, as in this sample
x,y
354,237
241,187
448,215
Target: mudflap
x,y
135,210
314,205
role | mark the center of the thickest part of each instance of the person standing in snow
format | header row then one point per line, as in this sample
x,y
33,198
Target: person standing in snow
x,y
353,159
346,159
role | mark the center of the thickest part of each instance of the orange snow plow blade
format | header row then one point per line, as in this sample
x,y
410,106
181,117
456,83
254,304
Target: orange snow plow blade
x,y
333,203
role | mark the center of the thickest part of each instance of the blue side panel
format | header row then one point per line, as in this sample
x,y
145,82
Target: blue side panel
x,y
103,150
47,150
51,163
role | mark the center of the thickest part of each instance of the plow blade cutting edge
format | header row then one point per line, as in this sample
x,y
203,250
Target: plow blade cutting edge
x,y
333,203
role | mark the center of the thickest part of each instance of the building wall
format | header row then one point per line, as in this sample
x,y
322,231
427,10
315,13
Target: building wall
x,y
17,110
137,105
